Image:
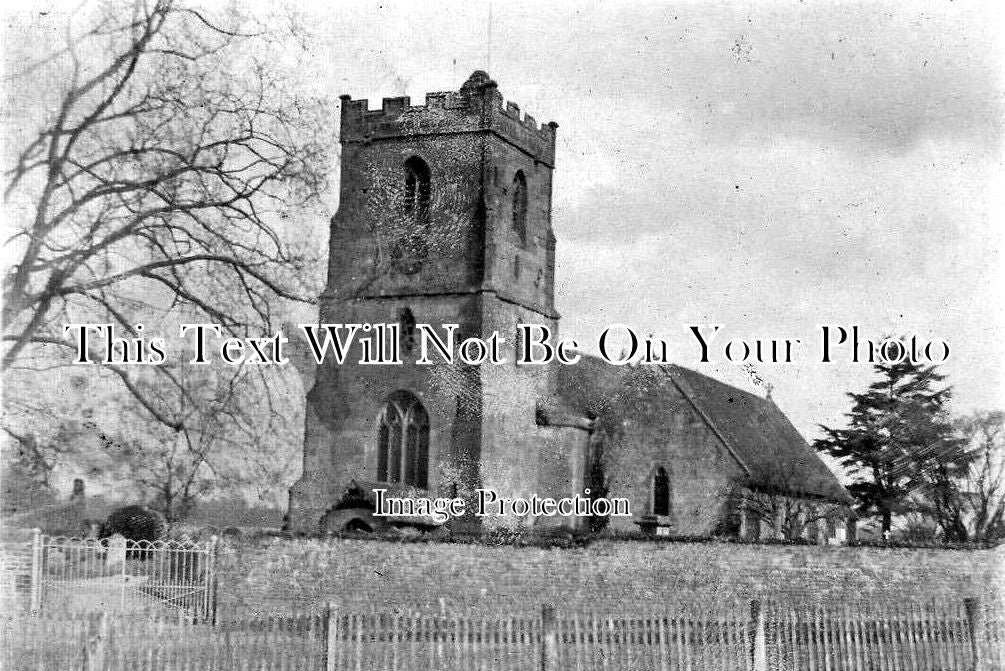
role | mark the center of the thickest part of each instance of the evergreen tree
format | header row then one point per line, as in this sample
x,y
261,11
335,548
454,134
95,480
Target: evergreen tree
x,y
900,447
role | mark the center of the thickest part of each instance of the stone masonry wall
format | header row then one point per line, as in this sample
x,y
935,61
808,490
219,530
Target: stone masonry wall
x,y
659,428
278,576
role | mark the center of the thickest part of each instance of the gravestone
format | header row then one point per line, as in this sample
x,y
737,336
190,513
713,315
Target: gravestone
x,y
116,557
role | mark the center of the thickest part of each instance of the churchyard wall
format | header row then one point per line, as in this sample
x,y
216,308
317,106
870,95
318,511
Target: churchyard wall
x,y
276,576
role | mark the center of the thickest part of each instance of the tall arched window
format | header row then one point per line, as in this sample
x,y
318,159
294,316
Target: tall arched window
x,y
403,441
417,189
661,492
520,206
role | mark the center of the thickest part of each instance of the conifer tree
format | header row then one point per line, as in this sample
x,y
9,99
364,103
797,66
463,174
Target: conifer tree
x,y
900,447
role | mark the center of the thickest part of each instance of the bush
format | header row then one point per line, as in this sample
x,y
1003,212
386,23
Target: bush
x,y
136,522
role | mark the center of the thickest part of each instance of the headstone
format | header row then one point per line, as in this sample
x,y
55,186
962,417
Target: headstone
x,y
840,535
116,556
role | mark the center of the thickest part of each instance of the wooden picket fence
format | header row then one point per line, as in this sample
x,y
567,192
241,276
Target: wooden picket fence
x,y
751,636
125,642
887,636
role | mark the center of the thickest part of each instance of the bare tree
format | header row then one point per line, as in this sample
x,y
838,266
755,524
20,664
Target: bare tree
x,y
24,473
786,515
230,441
974,507
158,180
984,484
232,431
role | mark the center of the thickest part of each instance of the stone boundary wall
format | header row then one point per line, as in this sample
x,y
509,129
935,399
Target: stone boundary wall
x,y
278,576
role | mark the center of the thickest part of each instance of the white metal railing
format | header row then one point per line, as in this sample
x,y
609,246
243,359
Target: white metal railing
x,y
73,575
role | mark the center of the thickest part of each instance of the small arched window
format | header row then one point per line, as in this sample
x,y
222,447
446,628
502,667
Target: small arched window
x,y
406,322
403,441
520,206
661,492
417,189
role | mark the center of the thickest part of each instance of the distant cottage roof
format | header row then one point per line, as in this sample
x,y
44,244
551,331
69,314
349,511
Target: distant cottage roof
x,y
758,435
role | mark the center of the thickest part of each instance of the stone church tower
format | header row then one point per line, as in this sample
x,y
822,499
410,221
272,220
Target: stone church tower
x,y
444,218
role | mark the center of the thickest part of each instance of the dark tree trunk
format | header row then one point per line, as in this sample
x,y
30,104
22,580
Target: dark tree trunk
x,y
887,522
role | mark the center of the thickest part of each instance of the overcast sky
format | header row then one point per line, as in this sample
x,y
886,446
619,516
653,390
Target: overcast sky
x,y
770,167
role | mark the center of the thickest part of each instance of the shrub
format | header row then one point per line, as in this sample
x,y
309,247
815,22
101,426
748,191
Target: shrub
x,y
136,522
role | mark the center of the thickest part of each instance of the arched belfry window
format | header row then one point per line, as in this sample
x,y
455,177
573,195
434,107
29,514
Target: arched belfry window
x,y
403,441
406,324
520,206
661,492
417,189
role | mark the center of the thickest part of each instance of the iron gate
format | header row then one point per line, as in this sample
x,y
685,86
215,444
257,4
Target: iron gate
x,y
73,575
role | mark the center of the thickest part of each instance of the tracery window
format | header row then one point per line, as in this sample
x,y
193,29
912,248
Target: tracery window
x,y
403,441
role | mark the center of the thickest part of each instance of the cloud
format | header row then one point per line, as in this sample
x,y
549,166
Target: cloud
x,y
769,165
877,75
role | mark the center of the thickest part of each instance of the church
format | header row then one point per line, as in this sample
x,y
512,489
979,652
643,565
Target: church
x,y
445,218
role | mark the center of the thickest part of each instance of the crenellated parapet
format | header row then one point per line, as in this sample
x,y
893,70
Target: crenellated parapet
x,y
476,107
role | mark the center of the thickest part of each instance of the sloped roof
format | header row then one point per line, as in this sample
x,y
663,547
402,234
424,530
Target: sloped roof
x,y
772,450
585,390
754,430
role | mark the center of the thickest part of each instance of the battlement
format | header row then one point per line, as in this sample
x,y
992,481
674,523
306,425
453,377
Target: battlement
x,y
476,107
